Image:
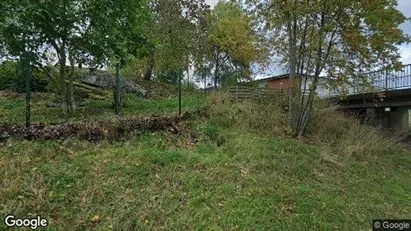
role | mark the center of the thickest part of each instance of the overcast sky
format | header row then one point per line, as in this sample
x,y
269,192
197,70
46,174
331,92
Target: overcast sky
x,y
211,2
405,7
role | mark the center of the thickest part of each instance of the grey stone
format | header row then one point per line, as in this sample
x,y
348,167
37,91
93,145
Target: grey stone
x,y
4,136
52,105
107,81
103,81
129,86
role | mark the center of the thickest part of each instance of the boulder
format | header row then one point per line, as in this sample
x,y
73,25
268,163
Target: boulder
x,y
52,105
4,136
102,81
129,86
107,81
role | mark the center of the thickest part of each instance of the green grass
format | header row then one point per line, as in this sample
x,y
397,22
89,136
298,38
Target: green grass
x,y
151,181
231,179
13,110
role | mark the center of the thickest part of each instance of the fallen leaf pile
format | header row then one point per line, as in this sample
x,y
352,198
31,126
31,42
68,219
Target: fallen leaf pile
x,y
93,131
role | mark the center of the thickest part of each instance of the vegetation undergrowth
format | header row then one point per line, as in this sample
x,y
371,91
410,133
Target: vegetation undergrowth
x,y
338,134
236,167
12,107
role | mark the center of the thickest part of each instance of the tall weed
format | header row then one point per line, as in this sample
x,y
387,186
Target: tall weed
x,y
336,133
266,116
345,136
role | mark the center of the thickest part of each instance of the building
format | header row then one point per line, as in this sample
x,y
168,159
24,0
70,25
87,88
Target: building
x,y
282,82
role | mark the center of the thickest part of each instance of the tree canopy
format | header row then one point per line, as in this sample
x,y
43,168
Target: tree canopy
x,y
230,46
162,39
73,32
171,31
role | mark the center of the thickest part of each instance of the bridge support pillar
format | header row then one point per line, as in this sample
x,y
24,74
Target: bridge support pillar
x,y
394,120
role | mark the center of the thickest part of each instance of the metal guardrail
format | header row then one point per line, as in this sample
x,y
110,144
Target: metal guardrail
x,y
377,81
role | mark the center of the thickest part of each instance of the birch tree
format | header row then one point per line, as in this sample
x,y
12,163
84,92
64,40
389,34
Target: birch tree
x,y
329,38
231,45
171,31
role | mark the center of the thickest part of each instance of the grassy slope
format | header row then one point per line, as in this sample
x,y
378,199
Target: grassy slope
x,y
232,179
13,111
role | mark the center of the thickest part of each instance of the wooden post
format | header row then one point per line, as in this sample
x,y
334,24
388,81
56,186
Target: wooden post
x,y
236,94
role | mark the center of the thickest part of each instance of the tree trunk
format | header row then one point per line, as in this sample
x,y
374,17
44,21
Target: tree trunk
x,y
216,73
306,112
150,67
70,96
292,46
188,77
63,82
188,71
66,82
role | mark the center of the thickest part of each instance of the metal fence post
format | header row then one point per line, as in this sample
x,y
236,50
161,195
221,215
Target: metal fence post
x,y
179,95
26,67
117,90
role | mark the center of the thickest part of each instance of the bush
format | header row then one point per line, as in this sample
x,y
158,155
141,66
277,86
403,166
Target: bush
x,y
8,73
12,77
212,132
265,116
345,136
336,133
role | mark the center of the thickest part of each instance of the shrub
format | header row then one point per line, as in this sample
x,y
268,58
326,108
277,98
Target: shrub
x,y
8,73
219,103
12,77
212,132
267,115
335,132
345,136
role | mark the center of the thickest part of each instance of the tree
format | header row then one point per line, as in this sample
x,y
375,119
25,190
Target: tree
x,y
171,32
329,38
76,32
230,44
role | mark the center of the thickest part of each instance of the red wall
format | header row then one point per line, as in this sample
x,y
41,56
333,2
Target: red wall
x,y
279,84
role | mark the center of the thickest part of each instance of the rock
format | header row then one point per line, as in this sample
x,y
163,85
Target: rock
x,y
4,136
107,81
83,103
52,105
103,81
128,86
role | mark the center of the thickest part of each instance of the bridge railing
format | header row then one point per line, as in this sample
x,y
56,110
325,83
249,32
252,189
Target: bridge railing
x,y
377,81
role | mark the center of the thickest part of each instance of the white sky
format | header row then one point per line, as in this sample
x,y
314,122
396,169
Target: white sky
x,y
211,2
405,7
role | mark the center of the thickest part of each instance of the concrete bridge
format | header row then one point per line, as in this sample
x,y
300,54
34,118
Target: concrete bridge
x,y
383,102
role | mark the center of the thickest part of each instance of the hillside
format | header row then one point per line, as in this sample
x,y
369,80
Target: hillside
x,y
232,166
